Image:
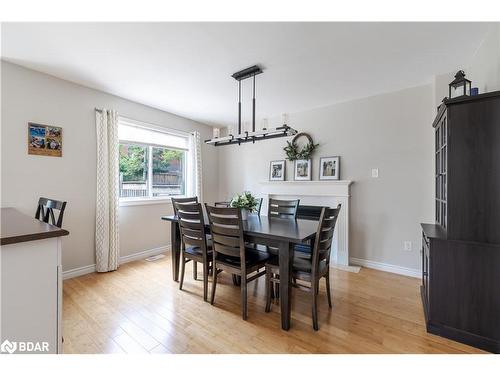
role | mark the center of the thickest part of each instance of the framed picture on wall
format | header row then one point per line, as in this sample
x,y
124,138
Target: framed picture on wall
x,y
329,168
44,140
277,170
302,170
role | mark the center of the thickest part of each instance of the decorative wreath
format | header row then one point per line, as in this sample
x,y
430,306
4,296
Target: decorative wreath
x,y
292,149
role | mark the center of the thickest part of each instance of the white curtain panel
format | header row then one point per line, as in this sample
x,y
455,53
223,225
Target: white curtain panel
x,y
106,221
197,180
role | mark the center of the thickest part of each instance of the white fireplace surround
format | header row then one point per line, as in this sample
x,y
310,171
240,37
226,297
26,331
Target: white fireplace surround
x,y
317,193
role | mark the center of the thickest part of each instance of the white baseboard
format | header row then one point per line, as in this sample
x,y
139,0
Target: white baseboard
x,y
412,272
75,272
350,268
144,254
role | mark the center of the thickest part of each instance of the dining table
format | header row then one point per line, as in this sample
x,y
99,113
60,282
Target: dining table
x,y
279,233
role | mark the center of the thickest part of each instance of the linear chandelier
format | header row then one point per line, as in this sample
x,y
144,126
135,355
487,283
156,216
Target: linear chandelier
x,y
253,136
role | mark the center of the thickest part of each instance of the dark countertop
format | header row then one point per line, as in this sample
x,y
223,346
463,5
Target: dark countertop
x,y
434,231
17,227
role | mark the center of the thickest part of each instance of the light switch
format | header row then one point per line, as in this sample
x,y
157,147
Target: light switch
x,y
375,172
407,245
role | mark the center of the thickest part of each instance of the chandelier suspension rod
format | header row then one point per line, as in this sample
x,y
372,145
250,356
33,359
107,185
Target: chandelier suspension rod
x,y
253,108
239,107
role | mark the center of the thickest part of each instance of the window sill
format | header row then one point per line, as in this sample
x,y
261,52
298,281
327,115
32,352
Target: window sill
x,y
144,202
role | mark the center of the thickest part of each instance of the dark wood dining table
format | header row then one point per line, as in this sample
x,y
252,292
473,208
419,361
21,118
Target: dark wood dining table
x,y
282,234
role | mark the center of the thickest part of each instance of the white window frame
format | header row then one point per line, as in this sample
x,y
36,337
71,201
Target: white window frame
x,y
139,201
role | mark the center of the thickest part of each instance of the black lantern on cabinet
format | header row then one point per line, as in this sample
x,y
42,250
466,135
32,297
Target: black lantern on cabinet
x,y
460,86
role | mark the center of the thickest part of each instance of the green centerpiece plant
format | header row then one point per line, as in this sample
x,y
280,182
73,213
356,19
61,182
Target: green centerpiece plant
x,y
246,202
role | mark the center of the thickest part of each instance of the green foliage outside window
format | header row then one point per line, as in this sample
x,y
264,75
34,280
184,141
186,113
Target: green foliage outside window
x,y
165,160
132,162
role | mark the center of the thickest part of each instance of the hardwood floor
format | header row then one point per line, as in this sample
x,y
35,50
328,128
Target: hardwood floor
x,y
139,309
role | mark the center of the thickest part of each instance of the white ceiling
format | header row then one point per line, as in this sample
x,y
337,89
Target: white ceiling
x,y
185,68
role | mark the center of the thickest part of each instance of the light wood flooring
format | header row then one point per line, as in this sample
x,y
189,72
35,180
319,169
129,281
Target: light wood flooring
x,y
139,309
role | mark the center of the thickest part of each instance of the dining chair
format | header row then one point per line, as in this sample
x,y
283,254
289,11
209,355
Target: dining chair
x,y
312,269
259,206
283,209
188,200
194,244
45,211
230,253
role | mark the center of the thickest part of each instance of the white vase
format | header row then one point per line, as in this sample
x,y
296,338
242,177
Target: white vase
x,y
244,214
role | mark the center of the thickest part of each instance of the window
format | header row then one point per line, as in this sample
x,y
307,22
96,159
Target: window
x,y
152,161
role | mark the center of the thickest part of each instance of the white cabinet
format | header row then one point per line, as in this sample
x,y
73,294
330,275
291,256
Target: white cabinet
x,y
31,295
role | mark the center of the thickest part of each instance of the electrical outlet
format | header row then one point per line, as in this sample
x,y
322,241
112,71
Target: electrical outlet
x,y
407,245
375,172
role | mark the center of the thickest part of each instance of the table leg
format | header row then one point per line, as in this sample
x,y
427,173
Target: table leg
x,y
236,280
286,261
175,239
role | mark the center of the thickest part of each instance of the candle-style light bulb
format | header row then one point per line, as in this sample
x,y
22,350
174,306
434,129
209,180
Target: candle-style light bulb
x,y
216,132
284,118
264,124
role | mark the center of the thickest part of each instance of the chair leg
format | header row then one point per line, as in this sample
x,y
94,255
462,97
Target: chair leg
x,y
328,293
277,290
314,295
269,288
205,280
183,266
214,283
244,307
195,270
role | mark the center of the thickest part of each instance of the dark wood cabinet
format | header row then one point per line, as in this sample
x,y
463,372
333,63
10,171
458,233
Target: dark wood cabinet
x,y
461,251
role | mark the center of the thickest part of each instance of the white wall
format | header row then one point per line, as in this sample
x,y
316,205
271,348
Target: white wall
x,y
391,132
483,70
32,96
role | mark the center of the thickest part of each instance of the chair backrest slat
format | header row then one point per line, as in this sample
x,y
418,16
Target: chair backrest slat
x,y
222,220
227,250
45,211
222,204
324,236
231,241
283,208
227,232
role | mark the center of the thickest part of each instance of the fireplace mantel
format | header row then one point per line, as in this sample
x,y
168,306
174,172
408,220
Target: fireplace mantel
x,y
327,193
